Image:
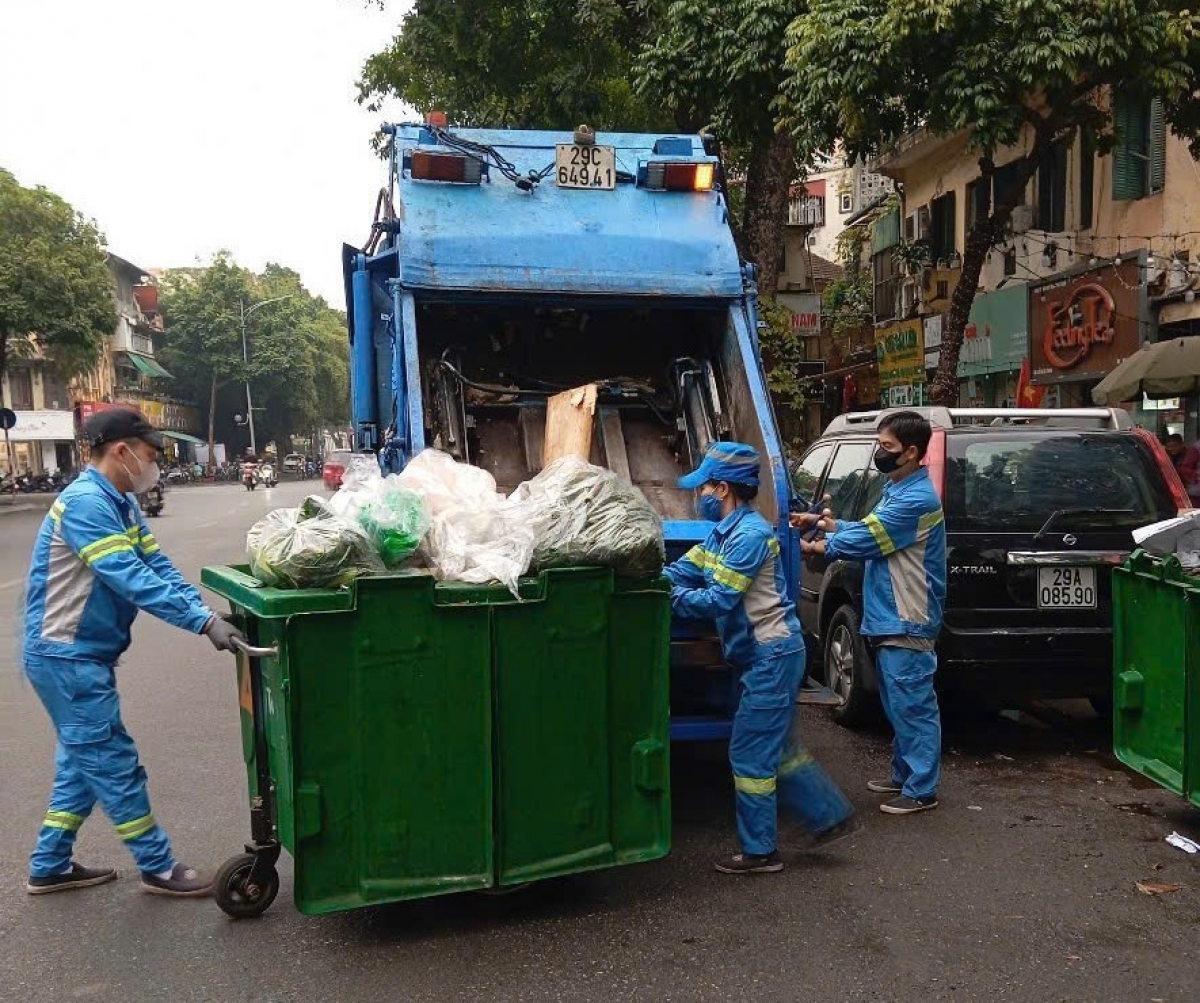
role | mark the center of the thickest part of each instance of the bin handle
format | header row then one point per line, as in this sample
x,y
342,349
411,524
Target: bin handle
x,y
254,652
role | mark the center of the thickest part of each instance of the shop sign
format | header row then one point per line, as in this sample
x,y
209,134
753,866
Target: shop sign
x,y
1085,325
900,350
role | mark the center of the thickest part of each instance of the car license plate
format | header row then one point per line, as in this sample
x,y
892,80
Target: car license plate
x,y
1066,588
578,166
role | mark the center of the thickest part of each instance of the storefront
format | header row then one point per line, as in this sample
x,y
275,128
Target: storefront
x,y
994,346
41,442
1083,324
900,349
180,421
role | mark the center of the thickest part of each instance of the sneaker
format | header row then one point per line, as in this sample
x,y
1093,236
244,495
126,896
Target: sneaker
x,y
847,827
884,787
77,877
183,882
906,806
751,863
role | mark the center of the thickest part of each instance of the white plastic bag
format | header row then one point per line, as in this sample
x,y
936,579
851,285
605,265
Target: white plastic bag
x,y
475,535
309,547
361,484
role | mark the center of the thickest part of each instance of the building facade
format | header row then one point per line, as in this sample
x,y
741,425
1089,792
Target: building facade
x,y
1100,258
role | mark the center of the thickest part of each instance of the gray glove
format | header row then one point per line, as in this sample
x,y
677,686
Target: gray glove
x,y
222,633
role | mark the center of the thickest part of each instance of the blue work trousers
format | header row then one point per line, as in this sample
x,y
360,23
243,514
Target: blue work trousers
x,y
906,691
770,766
96,761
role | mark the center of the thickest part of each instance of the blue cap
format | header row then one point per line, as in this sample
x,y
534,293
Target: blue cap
x,y
734,462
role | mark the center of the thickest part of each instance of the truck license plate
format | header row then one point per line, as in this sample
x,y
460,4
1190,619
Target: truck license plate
x,y
1066,588
579,166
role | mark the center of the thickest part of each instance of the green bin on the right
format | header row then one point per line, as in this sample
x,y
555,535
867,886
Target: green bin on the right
x,y
1156,666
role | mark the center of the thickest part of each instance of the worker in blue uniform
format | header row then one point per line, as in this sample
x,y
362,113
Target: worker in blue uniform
x,y
736,578
903,543
95,564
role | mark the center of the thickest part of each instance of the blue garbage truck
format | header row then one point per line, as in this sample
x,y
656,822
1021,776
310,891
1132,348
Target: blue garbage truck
x,y
505,266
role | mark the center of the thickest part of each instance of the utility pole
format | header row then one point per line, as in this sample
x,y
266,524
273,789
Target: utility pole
x,y
246,359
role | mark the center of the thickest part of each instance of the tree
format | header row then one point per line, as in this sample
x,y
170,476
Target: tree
x,y
56,294
547,64
868,72
723,64
297,349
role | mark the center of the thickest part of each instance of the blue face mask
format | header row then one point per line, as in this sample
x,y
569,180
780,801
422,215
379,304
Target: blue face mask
x,y
710,508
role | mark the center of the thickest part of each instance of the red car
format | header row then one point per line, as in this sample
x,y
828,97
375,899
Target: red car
x,y
335,466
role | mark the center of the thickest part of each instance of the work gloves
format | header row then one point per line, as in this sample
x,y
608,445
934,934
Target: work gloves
x,y
222,634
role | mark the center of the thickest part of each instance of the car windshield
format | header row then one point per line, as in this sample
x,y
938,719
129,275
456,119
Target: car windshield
x,y
1016,481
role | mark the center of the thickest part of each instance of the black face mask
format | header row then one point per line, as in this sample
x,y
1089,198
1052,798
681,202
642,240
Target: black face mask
x,y
887,462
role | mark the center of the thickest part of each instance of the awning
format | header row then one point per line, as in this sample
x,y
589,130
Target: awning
x,y
147,366
183,437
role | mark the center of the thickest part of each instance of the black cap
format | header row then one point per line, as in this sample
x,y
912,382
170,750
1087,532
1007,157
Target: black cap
x,y
120,423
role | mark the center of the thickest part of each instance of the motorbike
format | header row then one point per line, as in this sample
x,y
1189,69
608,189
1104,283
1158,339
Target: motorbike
x,y
152,500
250,476
267,475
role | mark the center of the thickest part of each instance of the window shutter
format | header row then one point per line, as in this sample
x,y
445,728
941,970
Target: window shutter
x,y
886,232
1129,155
1157,147
1087,178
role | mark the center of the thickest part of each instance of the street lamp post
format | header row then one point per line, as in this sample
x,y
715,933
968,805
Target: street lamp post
x,y
246,359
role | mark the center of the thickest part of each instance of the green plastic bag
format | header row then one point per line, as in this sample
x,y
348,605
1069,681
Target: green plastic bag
x,y
396,520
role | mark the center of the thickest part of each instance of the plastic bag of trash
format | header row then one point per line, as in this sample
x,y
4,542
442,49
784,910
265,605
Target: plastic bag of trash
x,y
475,535
362,481
309,547
585,515
395,519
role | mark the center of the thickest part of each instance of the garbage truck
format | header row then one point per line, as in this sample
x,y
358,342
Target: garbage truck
x,y
506,266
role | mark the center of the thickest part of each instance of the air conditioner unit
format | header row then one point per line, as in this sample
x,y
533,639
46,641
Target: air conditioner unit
x,y
1022,219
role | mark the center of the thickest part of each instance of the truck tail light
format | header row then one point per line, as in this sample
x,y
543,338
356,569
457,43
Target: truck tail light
x,y
668,176
455,167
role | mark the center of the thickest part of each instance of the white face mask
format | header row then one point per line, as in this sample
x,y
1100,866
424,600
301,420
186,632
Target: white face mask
x,y
146,477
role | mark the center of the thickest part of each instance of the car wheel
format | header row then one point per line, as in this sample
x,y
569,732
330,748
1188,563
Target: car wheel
x,y
846,660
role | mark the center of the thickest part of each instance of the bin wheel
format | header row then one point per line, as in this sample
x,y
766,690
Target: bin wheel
x,y
234,897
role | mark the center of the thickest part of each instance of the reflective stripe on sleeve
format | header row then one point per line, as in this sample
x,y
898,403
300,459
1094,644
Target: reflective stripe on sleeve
x,y
886,546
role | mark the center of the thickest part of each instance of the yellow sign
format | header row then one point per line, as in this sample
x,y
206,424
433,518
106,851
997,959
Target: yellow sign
x,y
172,417
900,349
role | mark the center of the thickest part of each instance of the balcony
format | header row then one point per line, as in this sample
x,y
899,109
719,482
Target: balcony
x,y
807,211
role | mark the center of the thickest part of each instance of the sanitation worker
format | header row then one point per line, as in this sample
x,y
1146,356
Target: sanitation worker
x,y
736,578
95,564
903,543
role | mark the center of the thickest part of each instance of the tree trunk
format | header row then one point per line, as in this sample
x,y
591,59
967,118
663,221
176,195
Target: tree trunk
x,y
769,175
212,421
981,238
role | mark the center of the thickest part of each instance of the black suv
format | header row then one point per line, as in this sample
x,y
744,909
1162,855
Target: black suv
x,y
1039,507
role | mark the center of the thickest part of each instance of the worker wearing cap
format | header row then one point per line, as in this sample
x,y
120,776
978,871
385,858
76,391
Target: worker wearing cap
x,y
95,564
736,578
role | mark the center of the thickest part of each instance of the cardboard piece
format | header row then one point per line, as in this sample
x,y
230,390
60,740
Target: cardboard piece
x,y
570,424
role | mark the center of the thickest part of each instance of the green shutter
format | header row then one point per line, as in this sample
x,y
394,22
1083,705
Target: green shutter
x,y
1087,178
886,232
1157,146
1129,155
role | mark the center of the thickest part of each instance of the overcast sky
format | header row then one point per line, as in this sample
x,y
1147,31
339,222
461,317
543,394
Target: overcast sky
x,y
187,126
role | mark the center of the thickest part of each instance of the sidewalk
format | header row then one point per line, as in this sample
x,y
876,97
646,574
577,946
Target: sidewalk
x,y
26,503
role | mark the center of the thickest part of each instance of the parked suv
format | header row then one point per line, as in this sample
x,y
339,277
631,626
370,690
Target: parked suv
x,y
1039,507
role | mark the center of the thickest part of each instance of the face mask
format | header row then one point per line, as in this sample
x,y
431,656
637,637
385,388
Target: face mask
x,y
146,477
887,462
710,508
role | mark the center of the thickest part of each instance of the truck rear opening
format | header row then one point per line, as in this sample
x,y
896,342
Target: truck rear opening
x,y
489,287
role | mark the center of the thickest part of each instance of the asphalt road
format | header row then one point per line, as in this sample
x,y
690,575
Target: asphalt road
x,y
1020,887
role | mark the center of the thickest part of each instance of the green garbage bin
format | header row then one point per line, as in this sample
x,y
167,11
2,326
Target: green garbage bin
x,y
407,738
1156,665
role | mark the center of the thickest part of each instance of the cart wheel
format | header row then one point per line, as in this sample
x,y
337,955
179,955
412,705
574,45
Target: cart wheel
x,y
234,897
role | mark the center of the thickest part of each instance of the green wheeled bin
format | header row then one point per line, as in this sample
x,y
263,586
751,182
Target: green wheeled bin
x,y
1156,683
405,738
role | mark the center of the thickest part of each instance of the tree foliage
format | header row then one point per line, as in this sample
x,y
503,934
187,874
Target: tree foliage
x,y
297,350
722,64
547,64
867,72
56,293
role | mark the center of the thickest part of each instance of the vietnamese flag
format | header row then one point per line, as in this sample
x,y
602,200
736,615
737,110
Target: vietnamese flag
x,y
1027,394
